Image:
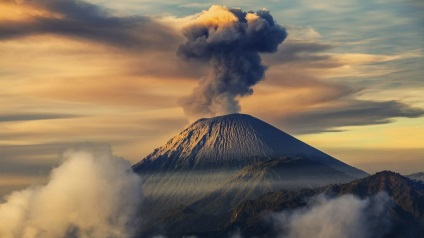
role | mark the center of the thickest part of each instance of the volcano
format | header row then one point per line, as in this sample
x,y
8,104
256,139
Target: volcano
x,y
216,163
232,142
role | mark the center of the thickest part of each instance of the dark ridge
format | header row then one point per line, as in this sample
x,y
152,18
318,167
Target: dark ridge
x,y
251,217
407,213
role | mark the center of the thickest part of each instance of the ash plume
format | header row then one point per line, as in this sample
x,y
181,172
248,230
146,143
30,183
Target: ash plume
x,y
230,42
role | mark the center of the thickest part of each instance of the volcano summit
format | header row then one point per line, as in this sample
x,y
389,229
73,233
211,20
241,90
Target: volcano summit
x,y
232,142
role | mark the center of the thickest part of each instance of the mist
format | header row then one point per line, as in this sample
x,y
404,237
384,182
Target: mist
x,y
229,42
90,194
344,217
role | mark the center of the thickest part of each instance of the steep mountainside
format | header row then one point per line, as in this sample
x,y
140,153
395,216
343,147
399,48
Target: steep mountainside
x,y
218,191
232,142
251,217
210,206
272,175
407,214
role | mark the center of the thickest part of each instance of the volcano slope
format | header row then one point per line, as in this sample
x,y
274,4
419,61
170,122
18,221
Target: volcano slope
x,y
232,142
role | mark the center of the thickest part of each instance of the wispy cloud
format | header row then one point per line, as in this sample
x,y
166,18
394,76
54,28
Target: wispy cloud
x,y
34,116
86,21
353,113
316,88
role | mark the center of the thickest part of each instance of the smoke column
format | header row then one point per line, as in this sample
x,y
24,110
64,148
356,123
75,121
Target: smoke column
x,y
229,41
91,194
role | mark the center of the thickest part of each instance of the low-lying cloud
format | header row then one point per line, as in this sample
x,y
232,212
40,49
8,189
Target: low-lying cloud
x,y
91,194
343,217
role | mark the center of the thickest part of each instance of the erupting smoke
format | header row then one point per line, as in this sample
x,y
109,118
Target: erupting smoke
x,y
91,194
343,217
230,40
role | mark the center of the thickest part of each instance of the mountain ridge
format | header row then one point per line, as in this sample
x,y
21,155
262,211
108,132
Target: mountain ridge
x,y
407,214
251,217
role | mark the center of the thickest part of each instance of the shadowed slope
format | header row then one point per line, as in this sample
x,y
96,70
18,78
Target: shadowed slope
x,y
407,213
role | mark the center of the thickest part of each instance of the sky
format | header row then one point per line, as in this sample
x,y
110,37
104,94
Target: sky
x,y
348,79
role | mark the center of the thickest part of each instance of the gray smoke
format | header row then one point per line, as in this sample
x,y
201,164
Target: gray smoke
x,y
230,41
343,217
91,194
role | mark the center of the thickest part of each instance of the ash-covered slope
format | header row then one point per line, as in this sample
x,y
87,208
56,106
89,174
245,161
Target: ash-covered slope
x,y
232,142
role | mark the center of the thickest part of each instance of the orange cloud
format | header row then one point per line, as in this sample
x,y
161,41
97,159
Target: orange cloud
x,y
16,11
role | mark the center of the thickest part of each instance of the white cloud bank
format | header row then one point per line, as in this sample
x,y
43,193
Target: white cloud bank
x,y
91,194
343,217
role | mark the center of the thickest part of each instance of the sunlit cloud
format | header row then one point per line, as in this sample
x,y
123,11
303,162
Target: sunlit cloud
x,y
308,93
